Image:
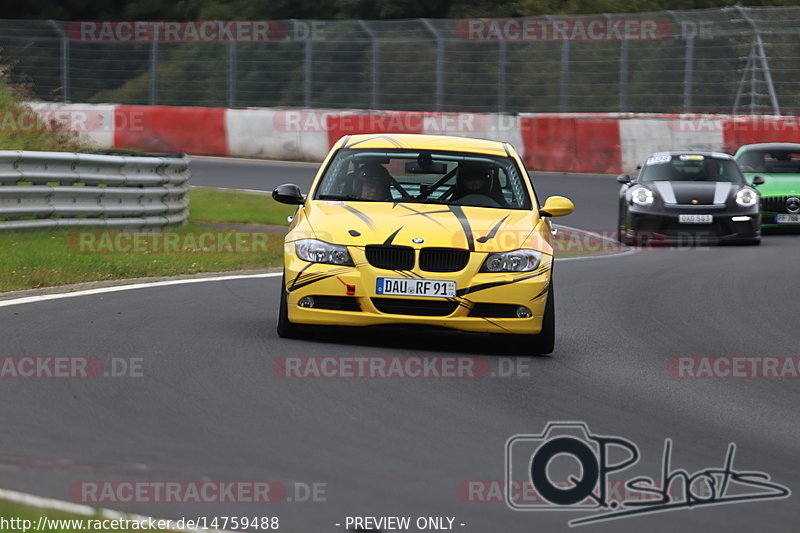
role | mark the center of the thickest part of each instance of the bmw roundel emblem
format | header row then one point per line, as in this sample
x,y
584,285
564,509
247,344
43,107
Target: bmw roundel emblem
x,y
417,240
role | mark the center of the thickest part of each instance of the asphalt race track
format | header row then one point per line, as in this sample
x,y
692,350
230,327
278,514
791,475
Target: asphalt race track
x,y
211,407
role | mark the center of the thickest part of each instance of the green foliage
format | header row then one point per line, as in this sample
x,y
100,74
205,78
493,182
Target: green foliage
x,y
21,130
342,9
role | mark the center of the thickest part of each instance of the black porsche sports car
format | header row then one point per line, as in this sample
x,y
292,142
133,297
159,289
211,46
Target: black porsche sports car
x,y
688,198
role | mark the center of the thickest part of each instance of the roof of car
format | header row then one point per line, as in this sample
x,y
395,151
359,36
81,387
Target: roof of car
x,y
717,155
771,146
420,141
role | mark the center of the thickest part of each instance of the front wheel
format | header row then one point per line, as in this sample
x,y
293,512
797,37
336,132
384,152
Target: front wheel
x,y
544,342
286,329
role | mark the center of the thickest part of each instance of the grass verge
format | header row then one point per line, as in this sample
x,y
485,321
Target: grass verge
x,y
227,230
20,517
219,205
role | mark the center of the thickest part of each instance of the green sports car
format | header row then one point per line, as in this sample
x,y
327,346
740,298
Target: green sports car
x,y
774,169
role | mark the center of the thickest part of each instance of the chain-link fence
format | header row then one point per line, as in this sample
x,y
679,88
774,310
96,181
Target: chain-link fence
x,y
745,60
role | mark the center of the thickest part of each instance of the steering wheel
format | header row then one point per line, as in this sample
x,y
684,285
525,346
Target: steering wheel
x,y
478,200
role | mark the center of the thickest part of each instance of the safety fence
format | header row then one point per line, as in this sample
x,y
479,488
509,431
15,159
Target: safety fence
x,y
734,60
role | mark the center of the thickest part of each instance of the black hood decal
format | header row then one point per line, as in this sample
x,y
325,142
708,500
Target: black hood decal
x,y
391,237
701,192
462,219
424,214
493,231
492,284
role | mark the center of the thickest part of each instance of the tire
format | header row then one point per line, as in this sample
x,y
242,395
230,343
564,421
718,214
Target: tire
x,y
286,329
622,235
544,342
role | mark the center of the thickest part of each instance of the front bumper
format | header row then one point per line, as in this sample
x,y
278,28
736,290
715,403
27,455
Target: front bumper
x,y
347,296
649,227
769,221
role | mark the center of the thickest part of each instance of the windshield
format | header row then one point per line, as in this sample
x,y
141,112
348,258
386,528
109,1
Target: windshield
x,y
454,178
771,161
690,167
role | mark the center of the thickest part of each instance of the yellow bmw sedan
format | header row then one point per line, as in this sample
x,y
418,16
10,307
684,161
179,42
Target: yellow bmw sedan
x,y
421,230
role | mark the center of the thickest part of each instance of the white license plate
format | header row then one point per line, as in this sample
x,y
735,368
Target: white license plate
x,y
787,219
695,219
416,287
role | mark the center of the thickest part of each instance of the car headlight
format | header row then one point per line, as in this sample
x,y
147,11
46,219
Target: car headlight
x,y
642,196
747,197
315,251
516,261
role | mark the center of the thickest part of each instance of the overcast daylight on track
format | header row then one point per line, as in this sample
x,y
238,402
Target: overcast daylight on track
x,y
174,396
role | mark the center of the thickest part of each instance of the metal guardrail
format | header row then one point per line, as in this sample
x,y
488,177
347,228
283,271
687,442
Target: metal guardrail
x,y
57,189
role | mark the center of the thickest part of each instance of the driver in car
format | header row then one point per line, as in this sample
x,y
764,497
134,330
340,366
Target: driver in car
x,y
373,183
474,187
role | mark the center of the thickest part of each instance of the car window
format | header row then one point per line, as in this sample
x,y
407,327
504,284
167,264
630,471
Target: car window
x,y
690,167
451,178
770,161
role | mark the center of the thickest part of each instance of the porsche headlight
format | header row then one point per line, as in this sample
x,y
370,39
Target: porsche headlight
x,y
315,251
516,261
642,196
747,197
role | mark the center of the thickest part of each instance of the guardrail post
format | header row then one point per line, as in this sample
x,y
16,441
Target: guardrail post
x,y
501,76
688,75
309,73
563,103
153,73
232,74
439,63
376,51
624,56
64,60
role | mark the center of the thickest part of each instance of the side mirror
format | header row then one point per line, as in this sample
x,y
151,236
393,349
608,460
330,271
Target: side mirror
x,y
288,193
556,206
758,180
624,178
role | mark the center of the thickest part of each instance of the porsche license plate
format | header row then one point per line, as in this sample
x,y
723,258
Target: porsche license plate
x,y
416,287
695,219
787,219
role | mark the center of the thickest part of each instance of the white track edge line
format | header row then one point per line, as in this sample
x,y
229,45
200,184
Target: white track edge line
x,y
133,286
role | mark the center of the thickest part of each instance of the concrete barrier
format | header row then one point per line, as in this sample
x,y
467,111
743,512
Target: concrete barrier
x,y
572,142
